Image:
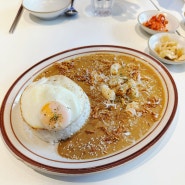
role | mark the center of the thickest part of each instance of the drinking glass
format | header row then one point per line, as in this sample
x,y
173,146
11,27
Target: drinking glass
x,y
102,7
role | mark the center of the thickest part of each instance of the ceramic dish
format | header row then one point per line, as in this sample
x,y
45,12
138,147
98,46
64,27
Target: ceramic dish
x,y
155,39
46,9
43,156
172,25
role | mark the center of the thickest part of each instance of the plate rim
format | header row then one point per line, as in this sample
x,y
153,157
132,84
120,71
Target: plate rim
x,y
67,171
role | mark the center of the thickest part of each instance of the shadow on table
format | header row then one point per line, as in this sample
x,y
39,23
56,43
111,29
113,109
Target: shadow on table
x,y
126,167
171,4
122,10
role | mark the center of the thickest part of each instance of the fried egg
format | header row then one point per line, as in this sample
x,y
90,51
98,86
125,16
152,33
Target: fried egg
x,y
54,107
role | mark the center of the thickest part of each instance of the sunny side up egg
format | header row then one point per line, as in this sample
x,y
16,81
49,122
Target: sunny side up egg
x,y
54,107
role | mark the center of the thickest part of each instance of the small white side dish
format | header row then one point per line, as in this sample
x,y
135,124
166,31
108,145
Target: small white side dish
x,y
172,25
155,39
46,9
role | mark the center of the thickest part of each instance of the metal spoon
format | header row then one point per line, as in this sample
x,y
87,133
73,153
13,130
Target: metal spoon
x,y
71,11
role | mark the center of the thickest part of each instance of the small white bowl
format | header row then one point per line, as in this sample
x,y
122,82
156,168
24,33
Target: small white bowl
x,y
46,9
172,25
155,39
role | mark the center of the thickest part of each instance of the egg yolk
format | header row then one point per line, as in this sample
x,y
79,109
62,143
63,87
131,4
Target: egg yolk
x,y
55,116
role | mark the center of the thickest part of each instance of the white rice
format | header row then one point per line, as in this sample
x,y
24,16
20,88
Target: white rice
x,y
75,126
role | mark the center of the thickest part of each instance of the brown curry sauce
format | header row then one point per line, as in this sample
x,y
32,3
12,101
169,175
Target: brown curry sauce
x,y
112,125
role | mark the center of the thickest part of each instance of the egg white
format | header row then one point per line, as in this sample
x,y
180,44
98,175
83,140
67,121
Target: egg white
x,y
55,88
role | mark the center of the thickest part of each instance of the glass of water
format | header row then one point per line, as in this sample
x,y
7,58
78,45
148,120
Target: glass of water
x,y
102,7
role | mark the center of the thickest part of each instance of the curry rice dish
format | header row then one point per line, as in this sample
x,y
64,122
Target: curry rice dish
x,y
127,98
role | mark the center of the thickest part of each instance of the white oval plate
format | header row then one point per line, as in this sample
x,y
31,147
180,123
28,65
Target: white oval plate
x,y
172,25
155,39
43,156
46,9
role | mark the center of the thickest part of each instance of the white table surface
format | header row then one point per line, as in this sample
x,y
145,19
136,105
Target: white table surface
x,y
34,40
